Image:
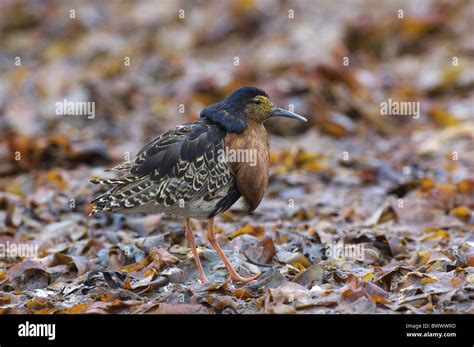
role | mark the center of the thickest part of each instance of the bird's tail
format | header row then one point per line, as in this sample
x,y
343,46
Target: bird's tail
x,y
122,196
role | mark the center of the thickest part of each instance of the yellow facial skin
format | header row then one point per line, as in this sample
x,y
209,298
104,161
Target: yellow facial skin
x,y
259,108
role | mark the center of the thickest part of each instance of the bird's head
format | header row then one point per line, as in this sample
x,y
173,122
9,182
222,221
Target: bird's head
x,y
242,105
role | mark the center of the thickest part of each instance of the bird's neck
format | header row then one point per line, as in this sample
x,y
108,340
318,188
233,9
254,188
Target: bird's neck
x,y
255,137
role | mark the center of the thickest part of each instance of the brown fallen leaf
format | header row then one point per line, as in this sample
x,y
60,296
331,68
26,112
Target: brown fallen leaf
x,y
436,233
137,266
163,308
81,263
76,309
470,259
241,293
292,258
256,231
311,276
443,117
286,298
162,258
462,212
379,299
262,252
37,303
27,274
223,302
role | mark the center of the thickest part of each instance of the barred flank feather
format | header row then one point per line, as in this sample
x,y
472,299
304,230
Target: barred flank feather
x,y
121,167
120,180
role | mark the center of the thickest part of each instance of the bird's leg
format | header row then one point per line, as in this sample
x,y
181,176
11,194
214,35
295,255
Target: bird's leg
x,y
192,245
234,276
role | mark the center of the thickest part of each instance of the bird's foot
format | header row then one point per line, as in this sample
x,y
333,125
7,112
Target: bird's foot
x,y
203,279
237,278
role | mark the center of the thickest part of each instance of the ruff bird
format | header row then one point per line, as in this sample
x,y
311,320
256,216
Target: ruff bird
x,y
201,168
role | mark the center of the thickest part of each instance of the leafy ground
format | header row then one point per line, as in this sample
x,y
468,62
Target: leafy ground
x,y
401,188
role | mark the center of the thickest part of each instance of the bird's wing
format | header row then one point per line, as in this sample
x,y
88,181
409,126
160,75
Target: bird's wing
x,y
173,167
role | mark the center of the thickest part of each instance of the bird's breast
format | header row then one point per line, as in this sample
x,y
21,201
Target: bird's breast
x,y
248,156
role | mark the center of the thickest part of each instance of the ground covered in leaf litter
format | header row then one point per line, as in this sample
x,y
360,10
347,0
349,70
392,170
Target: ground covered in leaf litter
x,y
391,185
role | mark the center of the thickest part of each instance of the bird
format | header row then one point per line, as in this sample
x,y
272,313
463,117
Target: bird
x,y
194,171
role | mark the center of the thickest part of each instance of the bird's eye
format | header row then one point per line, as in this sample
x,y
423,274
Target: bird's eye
x,y
257,102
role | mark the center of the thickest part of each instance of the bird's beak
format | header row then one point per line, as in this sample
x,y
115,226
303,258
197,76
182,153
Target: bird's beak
x,y
279,112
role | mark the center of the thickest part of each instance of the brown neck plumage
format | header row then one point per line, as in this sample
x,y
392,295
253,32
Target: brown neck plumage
x,y
251,174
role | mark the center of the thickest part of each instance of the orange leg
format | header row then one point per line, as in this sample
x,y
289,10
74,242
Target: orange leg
x,y
234,276
190,238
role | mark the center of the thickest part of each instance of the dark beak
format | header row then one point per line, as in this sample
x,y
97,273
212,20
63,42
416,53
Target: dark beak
x,y
279,112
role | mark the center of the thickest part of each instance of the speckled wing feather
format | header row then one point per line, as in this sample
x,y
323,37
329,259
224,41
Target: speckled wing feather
x,y
178,166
